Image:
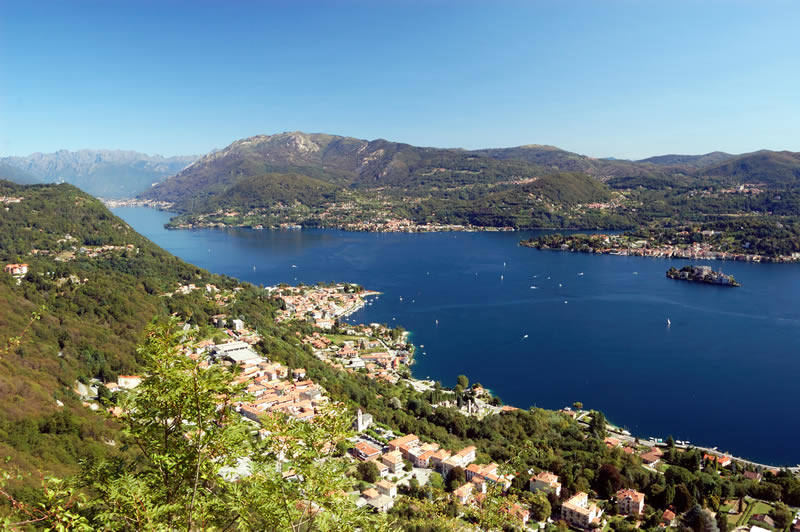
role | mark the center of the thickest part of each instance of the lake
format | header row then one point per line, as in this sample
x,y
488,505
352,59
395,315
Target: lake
x,y
725,373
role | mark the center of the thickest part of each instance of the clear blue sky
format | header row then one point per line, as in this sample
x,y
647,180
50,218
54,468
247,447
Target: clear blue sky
x,y
605,78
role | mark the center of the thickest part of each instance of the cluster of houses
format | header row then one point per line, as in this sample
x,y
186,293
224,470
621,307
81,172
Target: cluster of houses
x,y
91,252
391,459
6,200
402,225
614,245
371,350
273,386
321,304
578,511
213,293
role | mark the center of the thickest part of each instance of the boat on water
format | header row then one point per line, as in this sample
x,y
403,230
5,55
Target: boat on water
x,y
668,322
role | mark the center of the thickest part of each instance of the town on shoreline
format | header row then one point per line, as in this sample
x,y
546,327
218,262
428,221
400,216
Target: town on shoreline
x,y
626,245
388,461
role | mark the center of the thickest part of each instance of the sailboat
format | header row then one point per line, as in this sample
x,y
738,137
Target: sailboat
x,y
668,322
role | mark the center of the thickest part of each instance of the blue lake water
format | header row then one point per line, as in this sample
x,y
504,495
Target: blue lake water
x,y
725,373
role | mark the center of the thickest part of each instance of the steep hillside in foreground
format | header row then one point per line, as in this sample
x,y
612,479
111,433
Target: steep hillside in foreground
x,y
102,173
96,284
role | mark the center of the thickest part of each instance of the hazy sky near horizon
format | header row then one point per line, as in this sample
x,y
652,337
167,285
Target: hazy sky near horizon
x,y
627,79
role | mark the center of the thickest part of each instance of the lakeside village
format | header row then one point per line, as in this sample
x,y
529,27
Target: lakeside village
x,y
335,216
400,460
640,247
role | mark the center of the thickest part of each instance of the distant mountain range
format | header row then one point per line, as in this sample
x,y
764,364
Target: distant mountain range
x,y
17,175
310,168
103,173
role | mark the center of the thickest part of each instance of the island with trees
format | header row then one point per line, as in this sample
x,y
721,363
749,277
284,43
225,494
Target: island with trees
x,y
701,274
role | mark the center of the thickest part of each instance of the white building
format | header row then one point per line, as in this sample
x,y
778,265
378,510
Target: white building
x,y
577,511
545,481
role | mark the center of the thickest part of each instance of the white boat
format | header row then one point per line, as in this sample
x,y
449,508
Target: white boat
x,y
668,322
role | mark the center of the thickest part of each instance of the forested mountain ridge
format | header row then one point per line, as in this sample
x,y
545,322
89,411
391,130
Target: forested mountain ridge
x,y
331,181
694,161
103,173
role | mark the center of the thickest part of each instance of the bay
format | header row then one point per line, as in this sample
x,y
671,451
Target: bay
x,y
725,373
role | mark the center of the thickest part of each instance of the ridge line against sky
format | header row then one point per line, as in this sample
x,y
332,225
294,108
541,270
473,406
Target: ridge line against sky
x,y
625,79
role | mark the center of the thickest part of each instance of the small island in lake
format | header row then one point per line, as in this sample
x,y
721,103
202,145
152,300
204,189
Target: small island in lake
x,y
701,274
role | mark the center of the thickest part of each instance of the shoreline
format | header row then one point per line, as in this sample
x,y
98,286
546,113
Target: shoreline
x,y
666,253
618,431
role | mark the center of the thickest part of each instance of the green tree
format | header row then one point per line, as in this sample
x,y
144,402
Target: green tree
x,y
781,514
367,471
193,446
598,424
462,381
456,477
540,506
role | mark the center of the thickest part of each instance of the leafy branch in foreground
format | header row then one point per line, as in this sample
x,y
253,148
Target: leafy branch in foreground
x,y
57,509
15,341
201,466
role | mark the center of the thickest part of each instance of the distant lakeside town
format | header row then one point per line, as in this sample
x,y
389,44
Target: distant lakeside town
x,y
385,223
626,245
